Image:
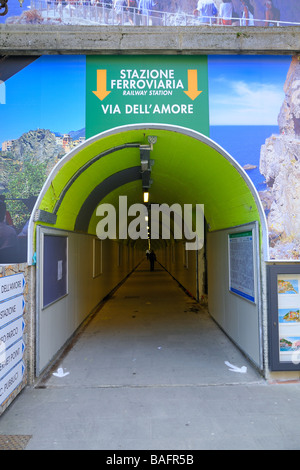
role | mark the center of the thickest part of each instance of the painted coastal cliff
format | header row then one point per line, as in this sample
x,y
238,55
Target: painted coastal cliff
x,y
280,165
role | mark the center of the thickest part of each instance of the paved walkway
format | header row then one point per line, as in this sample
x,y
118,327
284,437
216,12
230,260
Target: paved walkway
x,y
148,373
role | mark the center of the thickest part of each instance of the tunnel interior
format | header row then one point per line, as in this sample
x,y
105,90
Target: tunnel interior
x,y
187,168
175,166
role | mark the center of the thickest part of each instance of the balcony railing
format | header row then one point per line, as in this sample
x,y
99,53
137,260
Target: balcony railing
x,y
96,12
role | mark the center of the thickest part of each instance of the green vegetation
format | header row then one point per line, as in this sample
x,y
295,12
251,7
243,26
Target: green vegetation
x,y
24,180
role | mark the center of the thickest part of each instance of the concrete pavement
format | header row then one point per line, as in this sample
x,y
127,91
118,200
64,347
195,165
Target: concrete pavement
x,y
148,372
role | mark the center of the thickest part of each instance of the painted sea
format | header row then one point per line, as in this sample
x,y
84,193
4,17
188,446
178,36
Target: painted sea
x,y
243,143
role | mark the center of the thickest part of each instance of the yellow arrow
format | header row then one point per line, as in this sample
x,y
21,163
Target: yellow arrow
x,y
101,92
193,91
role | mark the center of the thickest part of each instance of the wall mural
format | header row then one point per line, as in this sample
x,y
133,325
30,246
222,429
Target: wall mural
x,y
152,12
254,114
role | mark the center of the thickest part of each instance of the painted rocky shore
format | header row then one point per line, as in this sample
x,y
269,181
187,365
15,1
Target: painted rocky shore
x,y
280,165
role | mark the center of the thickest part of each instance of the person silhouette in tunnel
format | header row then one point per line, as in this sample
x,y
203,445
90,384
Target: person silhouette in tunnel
x,y
152,259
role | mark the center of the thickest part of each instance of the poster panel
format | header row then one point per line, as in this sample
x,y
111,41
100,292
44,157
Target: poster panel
x,y
253,109
248,105
55,268
241,264
31,147
284,312
288,291
12,341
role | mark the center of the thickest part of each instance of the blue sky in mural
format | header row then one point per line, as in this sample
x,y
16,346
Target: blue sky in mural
x,y
48,94
246,90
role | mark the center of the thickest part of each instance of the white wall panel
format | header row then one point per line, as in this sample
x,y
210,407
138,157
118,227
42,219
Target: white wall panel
x,y
238,317
57,322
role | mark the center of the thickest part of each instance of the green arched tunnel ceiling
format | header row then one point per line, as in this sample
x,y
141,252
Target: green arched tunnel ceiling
x,y
188,168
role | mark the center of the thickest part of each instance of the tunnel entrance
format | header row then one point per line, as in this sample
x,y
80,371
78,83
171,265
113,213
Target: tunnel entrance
x,y
76,270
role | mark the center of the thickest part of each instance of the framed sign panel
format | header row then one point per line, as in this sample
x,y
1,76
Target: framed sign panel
x,y
241,264
284,317
55,270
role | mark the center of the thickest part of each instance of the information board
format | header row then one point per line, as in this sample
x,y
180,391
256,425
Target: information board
x,y
10,286
55,284
241,264
11,309
11,381
12,324
284,316
288,292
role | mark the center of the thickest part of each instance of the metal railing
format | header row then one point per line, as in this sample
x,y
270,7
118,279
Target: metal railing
x,y
98,12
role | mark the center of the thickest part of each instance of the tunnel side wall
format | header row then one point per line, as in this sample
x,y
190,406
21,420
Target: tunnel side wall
x,y
182,265
238,317
95,268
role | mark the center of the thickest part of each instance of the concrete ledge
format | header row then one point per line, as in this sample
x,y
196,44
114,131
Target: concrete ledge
x,y
49,39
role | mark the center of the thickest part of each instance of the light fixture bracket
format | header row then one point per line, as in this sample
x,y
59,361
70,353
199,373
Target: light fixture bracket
x,y
147,163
